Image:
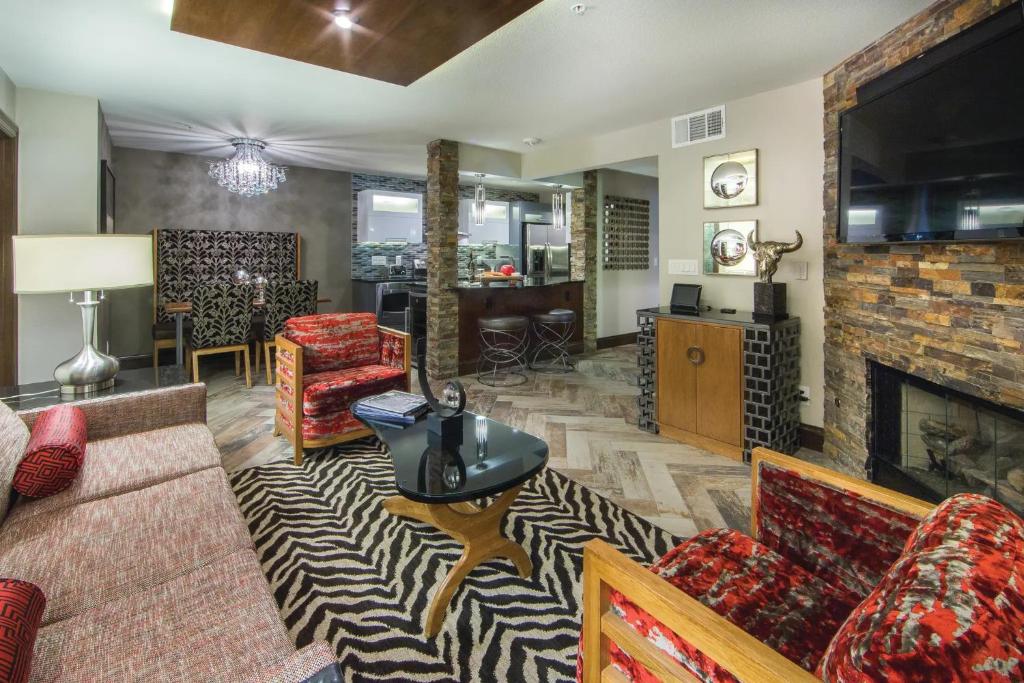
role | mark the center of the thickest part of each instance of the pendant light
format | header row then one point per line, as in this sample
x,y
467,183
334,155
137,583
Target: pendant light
x,y
558,208
479,200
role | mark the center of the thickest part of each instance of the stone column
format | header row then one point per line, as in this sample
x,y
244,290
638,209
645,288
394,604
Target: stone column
x,y
442,259
584,253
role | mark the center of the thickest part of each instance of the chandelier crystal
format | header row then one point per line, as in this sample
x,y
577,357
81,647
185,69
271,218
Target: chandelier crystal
x,y
247,173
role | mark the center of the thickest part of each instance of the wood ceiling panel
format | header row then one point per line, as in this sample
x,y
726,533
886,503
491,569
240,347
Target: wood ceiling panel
x,y
397,41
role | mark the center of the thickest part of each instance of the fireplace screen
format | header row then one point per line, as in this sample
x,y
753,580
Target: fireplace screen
x,y
932,442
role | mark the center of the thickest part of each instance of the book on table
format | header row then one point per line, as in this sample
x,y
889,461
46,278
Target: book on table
x,y
392,406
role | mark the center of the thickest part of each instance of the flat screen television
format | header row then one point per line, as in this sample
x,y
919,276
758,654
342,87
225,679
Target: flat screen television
x,y
934,151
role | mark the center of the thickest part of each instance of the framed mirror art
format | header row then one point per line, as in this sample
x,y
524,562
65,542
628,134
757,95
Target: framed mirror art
x,y
726,251
730,180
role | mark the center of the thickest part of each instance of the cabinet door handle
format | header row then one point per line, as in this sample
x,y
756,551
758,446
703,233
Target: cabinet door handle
x,y
695,355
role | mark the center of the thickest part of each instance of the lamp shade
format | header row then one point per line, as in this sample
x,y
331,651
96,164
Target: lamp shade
x,y
73,263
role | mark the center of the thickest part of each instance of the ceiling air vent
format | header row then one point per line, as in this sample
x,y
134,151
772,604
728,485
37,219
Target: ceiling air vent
x,y
699,126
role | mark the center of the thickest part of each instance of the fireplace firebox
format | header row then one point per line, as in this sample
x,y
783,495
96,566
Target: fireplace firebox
x,y
932,442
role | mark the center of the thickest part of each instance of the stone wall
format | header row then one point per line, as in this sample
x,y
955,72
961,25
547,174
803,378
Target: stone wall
x,y
949,313
583,257
443,259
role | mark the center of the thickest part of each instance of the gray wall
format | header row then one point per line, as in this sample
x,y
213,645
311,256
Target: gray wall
x,y
166,190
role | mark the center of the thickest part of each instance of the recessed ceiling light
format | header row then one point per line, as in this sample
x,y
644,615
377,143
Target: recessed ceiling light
x,y
342,18
579,8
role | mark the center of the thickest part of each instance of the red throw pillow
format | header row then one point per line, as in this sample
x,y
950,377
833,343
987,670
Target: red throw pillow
x,y
21,612
54,454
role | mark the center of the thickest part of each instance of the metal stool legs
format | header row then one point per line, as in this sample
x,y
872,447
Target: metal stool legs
x,y
552,351
502,356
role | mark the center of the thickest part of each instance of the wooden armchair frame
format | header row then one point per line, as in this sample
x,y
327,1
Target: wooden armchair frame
x,y
606,569
293,411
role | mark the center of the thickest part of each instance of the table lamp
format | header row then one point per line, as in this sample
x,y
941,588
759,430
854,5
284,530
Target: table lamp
x,y
89,264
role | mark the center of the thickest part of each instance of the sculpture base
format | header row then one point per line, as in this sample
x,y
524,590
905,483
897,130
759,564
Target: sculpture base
x,y
445,430
770,300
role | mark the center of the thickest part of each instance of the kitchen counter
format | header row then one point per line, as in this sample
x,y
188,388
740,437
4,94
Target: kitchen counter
x,y
529,281
540,296
392,278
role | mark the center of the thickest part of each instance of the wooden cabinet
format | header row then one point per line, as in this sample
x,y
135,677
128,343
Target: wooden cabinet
x,y
700,383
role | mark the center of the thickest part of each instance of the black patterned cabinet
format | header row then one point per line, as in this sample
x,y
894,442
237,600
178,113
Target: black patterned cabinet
x,y
724,382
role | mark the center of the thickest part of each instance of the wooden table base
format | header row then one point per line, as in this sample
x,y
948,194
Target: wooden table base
x,y
479,531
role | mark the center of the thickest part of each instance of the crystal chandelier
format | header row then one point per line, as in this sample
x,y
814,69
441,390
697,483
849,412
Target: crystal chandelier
x,y
558,208
247,173
479,200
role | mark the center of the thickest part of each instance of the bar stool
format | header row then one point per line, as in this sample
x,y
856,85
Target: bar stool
x,y
503,343
553,330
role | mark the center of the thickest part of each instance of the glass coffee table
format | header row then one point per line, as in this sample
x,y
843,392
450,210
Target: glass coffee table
x,y
443,486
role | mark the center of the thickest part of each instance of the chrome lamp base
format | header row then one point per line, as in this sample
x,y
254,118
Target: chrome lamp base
x,y
90,370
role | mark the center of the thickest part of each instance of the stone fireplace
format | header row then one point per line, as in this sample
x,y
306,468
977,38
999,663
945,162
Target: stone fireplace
x,y
933,442
948,314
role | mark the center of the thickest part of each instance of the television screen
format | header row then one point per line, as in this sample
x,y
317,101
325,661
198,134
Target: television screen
x,y
940,156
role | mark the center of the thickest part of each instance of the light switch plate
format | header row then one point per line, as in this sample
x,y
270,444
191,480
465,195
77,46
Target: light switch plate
x,y
378,260
805,392
801,270
398,262
677,266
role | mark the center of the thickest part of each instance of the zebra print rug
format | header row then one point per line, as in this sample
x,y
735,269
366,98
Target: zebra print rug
x,y
345,571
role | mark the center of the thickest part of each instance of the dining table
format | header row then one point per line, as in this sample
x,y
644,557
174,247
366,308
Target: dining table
x,y
179,309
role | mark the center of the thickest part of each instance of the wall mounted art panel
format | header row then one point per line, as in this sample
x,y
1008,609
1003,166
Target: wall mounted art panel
x,y
627,234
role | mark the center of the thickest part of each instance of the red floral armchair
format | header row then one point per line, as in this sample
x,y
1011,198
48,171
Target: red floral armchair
x,y
841,581
324,363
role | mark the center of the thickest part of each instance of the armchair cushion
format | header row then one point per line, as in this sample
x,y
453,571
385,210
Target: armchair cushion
x,y
334,390
951,608
769,597
335,341
837,535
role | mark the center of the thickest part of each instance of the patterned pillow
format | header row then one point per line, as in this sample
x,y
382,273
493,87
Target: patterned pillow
x,y
950,609
54,454
21,612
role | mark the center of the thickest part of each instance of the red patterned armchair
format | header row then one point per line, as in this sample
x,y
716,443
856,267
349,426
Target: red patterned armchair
x,y
324,363
842,581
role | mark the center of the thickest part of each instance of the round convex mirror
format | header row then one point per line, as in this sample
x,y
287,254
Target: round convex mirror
x,y
729,247
729,179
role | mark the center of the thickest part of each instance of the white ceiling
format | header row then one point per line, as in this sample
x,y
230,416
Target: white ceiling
x,y
548,74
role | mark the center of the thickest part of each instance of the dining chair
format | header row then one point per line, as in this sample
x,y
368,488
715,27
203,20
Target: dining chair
x,y
283,300
222,323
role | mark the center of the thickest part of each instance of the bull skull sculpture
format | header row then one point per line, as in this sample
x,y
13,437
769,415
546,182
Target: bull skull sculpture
x,y
768,254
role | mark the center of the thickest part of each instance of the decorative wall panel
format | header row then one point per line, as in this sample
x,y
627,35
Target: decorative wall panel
x,y
627,234
188,258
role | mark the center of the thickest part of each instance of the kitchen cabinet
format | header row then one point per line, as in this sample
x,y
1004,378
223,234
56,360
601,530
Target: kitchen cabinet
x,y
700,381
546,234
385,216
495,228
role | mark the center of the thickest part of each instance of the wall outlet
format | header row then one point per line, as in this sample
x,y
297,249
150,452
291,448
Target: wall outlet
x,y
801,270
678,266
805,392
378,260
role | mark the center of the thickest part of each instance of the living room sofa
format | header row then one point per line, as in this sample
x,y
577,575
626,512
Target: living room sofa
x,y
146,563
